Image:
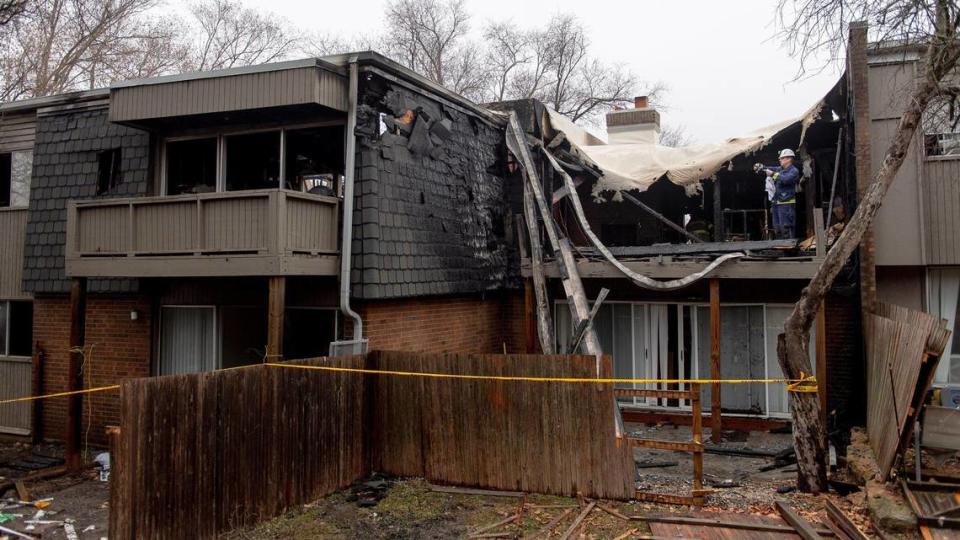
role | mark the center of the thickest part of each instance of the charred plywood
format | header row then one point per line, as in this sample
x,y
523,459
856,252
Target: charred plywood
x,y
430,214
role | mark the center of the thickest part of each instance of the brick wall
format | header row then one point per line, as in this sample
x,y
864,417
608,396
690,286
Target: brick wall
x,y
845,372
858,71
468,324
120,350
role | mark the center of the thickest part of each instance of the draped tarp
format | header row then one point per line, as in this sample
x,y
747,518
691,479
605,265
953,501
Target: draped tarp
x,y
638,165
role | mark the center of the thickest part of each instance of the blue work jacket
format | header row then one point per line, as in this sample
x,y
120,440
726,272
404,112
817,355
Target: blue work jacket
x,y
785,181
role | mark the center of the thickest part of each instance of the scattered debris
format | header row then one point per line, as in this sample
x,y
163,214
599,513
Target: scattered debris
x,y
15,533
653,464
843,522
470,491
576,522
70,531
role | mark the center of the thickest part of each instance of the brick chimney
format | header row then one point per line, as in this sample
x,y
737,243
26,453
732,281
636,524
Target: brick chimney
x,y
638,125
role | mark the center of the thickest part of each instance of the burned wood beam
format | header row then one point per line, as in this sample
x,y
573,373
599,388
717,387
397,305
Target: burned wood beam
x,y
572,285
577,336
544,319
641,280
666,221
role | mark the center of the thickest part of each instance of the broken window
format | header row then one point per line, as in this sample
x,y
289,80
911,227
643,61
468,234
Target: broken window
x,y
16,328
16,169
108,171
252,161
314,159
191,166
940,128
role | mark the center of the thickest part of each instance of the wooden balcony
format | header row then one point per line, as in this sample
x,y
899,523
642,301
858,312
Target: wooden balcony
x,y
271,232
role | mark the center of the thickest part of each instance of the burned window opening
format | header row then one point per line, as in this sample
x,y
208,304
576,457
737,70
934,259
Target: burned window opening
x,y
191,166
108,171
252,161
314,160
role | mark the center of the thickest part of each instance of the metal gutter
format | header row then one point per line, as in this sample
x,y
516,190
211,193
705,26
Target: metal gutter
x,y
346,242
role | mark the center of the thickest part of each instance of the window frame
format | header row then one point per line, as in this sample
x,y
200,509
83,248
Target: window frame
x,y
221,159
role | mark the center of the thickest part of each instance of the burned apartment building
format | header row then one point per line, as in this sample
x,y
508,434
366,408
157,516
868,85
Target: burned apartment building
x,y
681,237
203,221
200,221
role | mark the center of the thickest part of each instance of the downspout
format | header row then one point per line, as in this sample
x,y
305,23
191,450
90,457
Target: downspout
x,y
346,242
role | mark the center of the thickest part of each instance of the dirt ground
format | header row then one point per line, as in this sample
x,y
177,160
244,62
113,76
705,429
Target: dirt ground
x,y
410,508
81,500
389,508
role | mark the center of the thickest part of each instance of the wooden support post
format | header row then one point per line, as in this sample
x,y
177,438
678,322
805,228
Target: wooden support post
x,y
818,232
715,423
697,429
718,233
544,318
821,348
276,304
78,313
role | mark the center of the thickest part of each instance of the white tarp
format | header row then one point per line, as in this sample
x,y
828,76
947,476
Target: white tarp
x,y
638,165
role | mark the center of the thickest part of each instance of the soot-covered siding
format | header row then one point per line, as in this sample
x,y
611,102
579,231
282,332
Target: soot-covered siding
x,y
430,207
65,166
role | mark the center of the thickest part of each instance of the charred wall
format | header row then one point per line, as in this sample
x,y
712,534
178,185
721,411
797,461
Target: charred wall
x,y
431,215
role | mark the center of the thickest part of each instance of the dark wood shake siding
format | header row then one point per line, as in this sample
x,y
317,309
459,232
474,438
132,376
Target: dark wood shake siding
x,y
305,85
430,210
65,163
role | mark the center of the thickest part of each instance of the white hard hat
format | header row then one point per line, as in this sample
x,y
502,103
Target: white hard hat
x,y
786,152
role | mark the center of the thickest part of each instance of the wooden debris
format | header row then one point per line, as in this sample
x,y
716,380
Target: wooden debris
x,y
22,491
509,519
549,526
626,534
614,513
576,522
802,526
471,491
728,524
843,522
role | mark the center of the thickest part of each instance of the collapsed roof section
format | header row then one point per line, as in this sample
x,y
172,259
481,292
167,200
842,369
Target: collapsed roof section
x,y
636,166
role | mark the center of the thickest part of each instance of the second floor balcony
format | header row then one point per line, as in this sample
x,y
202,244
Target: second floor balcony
x,y
240,233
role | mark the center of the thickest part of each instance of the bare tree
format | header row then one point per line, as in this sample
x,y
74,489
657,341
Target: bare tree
x,y
56,46
431,38
10,9
817,28
227,34
675,136
553,64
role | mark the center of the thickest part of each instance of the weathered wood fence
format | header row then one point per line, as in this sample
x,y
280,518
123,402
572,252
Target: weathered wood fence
x,y
201,454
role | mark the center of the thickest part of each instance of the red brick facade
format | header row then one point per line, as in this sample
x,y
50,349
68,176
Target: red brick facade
x,y
470,324
118,348
858,72
845,371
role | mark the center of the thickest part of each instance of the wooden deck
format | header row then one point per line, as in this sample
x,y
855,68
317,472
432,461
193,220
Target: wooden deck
x,y
240,233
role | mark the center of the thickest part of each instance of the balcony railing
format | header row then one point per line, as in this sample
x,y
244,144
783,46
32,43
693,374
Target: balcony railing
x,y
238,233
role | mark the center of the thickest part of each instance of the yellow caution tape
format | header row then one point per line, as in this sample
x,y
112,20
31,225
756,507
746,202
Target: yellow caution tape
x,y
807,383
804,384
62,394
582,380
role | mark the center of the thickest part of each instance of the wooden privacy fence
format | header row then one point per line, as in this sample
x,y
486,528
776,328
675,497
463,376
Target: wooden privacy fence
x,y
204,453
903,348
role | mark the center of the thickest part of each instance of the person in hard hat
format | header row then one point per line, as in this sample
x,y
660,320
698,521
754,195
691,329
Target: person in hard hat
x,y
783,179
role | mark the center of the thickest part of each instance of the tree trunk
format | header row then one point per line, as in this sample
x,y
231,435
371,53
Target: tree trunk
x,y
808,429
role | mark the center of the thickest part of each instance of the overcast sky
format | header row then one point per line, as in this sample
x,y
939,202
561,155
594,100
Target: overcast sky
x,y
727,72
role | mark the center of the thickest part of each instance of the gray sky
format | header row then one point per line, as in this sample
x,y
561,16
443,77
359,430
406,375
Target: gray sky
x,y
727,73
